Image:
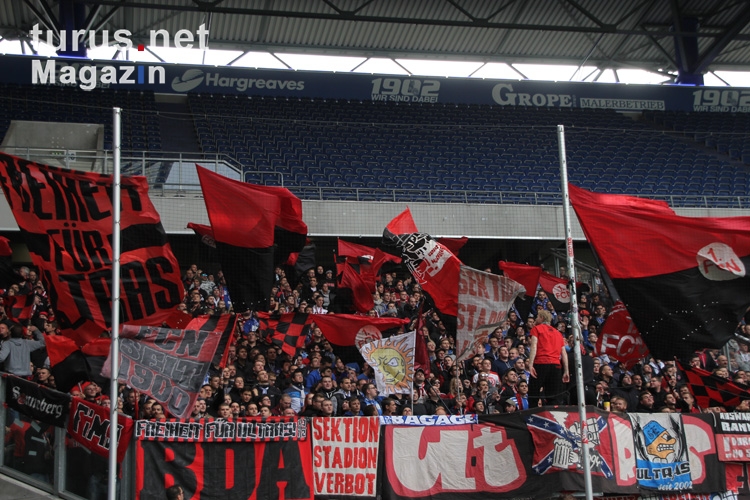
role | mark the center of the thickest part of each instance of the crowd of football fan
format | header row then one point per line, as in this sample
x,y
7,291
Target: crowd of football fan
x,y
259,379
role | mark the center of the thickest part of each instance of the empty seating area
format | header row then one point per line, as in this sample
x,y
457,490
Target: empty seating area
x,y
140,124
439,152
337,149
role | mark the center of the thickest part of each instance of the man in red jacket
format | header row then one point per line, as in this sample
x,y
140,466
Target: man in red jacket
x,y
548,362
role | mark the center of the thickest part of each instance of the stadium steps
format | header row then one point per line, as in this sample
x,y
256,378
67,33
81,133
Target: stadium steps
x,y
176,125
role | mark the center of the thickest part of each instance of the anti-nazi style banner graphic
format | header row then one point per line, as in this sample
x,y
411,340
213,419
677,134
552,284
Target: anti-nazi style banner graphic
x,y
483,303
66,217
168,365
345,456
89,425
38,402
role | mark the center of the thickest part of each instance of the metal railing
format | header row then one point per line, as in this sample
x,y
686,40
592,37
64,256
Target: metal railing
x,y
174,174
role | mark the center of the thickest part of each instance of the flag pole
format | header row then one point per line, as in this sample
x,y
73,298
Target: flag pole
x,y
114,352
586,465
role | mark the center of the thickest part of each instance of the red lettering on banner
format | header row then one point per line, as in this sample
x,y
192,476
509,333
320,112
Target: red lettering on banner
x,y
623,450
699,436
420,468
340,466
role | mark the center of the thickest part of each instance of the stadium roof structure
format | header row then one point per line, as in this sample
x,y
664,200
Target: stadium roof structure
x,y
680,39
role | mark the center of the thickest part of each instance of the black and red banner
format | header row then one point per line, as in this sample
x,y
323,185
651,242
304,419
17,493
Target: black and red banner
x,y
217,430
66,218
168,365
232,470
684,280
89,425
38,402
226,324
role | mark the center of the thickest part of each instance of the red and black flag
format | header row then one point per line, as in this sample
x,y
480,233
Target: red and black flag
x,y
68,363
556,290
710,390
65,217
683,279
253,228
357,269
434,267
288,331
226,324
20,307
8,275
205,232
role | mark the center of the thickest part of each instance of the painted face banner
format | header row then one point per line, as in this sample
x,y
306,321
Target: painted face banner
x,y
392,359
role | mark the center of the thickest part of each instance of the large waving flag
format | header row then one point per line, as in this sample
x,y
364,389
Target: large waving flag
x,y
350,329
683,279
246,222
483,303
392,360
432,265
66,218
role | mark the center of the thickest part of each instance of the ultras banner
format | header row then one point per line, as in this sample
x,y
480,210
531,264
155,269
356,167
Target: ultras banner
x,y
230,470
66,219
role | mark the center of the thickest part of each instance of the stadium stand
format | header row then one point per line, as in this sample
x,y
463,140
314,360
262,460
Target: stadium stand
x,y
446,152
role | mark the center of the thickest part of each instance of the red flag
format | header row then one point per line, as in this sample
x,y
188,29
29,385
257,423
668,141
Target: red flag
x,y
66,217
526,275
421,354
288,331
683,279
351,329
243,221
432,265
454,244
620,339
556,289
361,289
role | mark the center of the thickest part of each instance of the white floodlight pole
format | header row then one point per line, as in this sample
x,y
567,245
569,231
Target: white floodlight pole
x,y
114,351
574,314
